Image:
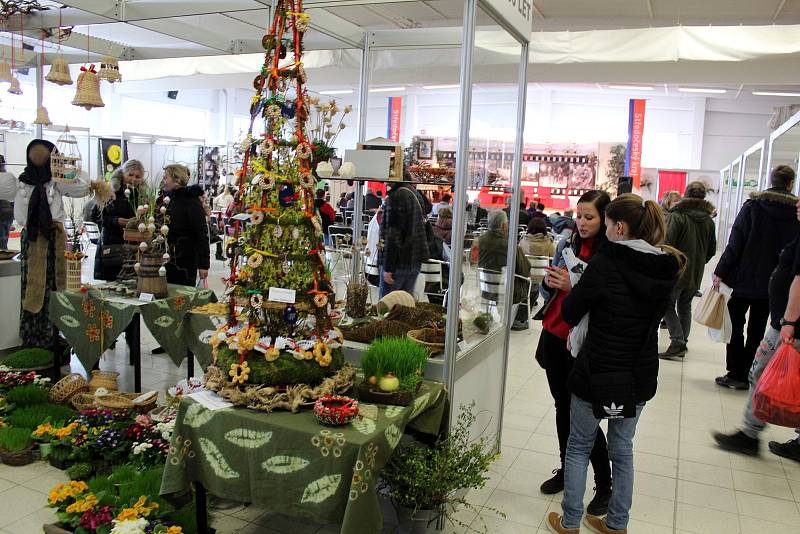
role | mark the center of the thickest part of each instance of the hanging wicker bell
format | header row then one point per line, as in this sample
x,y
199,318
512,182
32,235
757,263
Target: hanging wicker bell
x,y
5,71
88,92
42,117
14,88
59,72
109,70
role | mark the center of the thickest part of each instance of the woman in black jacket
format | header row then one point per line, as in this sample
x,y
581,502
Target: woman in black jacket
x,y
552,352
625,289
126,183
188,232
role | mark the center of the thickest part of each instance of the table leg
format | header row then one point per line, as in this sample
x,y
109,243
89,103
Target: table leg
x,y
189,365
201,508
133,337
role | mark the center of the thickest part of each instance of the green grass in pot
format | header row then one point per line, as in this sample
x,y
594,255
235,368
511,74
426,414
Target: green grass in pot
x,y
27,395
29,359
32,416
15,439
419,478
398,355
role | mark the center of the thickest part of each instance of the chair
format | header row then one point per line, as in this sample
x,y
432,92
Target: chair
x,y
432,272
539,266
491,285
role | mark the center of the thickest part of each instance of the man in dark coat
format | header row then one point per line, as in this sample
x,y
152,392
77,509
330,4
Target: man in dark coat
x,y
404,240
765,225
691,230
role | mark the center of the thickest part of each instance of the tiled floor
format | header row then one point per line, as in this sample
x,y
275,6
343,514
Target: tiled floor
x,y
683,483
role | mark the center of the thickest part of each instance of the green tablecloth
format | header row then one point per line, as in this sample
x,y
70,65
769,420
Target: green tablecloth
x,y
292,464
92,321
195,330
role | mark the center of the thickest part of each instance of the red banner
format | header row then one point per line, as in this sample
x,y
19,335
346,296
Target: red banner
x,y
395,115
633,158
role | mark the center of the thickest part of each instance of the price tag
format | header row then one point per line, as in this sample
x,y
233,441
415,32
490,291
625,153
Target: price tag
x,y
279,294
147,297
462,346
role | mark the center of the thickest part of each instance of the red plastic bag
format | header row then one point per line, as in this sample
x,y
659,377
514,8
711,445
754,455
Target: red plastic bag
x,y
776,398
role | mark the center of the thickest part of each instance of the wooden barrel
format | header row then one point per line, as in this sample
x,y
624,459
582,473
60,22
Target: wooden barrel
x,y
148,280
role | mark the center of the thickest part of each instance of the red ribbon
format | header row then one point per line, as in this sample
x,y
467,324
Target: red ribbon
x,y
90,69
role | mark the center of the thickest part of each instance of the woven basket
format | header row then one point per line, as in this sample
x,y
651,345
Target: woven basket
x,y
83,401
118,403
103,379
66,388
114,402
143,402
87,94
17,458
417,337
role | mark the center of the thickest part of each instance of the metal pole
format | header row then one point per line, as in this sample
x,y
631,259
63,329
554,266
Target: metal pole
x,y
516,183
460,200
358,201
39,68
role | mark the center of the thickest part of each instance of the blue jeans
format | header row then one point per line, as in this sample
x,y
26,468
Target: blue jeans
x,y
405,278
583,428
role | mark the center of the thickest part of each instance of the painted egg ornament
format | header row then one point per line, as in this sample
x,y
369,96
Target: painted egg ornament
x,y
137,266
286,195
389,383
142,246
165,256
162,271
151,220
290,315
142,227
127,192
166,200
287,110
164,230
163,210
151,227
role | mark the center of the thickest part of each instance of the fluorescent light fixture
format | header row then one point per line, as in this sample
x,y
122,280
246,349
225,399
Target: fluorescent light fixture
x,y
337,92
774,93
702,90
446,86
631,87
387,89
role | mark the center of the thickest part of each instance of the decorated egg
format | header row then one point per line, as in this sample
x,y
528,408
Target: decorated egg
x,y
162,271
290,315
136,267
142,246
151,227
142,227
286,195
324,169
163,210
165,256
151,220
166,200
127,192
164,230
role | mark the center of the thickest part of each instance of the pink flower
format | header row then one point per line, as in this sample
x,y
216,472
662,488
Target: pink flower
x,y
144,420
93,519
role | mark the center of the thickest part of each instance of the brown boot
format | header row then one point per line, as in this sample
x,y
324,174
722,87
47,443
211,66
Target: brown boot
x,y
598,525
554,525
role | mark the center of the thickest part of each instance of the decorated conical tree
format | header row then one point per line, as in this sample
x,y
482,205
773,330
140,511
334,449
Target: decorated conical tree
x,y
279,331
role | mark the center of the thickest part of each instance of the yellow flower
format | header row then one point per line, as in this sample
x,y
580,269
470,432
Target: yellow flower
x,y
246,339
174,530
239,372
87,503
2,422
128,514
41,430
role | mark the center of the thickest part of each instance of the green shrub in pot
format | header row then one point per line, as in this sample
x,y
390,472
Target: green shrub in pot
x,y
430,482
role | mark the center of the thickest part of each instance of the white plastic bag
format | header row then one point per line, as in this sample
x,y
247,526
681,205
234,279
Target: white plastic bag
x,y
723,335
575,267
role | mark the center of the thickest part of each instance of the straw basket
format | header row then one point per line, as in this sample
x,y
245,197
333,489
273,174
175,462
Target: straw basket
x,y
103,379
116,402
66,388
65,163
419,337
87,94
109,70
59,72
149,278
73,275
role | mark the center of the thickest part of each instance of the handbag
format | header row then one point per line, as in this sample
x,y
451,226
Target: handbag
x,y
776,398
111,259
710,311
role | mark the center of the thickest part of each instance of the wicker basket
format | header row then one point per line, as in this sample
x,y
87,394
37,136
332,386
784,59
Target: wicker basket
x,y
103,379
83,401
116,402
17,458
417,335
73,275
66,388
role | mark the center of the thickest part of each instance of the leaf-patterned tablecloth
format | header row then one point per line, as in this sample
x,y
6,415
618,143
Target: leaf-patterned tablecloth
x,y
196,331
91,323
292,464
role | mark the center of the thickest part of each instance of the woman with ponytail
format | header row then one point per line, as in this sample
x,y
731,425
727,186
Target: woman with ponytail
x,y
626,288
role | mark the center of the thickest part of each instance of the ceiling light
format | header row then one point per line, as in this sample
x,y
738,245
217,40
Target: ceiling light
x,y
631,87
387,89
702,90
774,93
451,86
337,92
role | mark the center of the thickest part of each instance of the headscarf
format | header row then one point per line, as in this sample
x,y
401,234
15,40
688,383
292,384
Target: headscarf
x,y
40,220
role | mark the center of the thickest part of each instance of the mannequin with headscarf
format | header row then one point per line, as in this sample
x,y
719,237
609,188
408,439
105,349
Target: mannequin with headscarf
x,y
39,209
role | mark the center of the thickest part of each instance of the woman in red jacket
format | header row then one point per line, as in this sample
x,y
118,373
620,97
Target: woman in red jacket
x,y
553,354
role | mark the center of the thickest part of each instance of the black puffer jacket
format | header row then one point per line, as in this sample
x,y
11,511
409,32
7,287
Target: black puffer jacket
x,y
766,223
627,292
122,206
188,235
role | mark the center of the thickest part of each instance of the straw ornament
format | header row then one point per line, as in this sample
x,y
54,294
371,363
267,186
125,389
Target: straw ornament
x,y
59,72
42,117
66,162
109,70
14,88
88,93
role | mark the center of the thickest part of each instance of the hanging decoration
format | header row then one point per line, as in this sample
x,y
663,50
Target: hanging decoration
x,y
65,163
109,70
14,88
9,8
59,70
88,91
42,117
